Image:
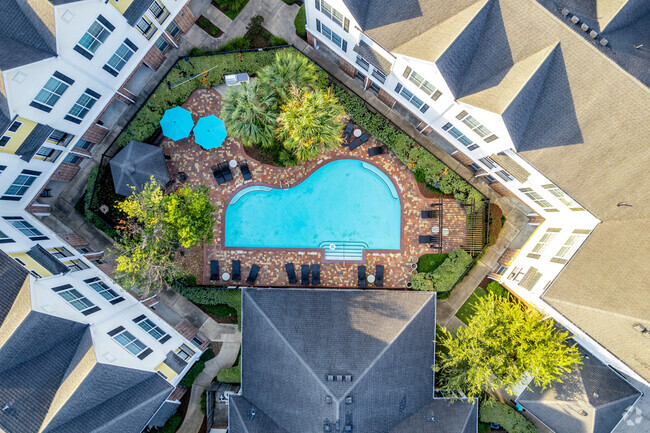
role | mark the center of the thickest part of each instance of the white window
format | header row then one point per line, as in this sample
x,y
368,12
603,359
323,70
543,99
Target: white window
x,y
543,243
422,84
505,175
76,265
378,76
94,37
120,57
4,239
455,132
363,63
74,298
129,342
565,199
570,246
60,138
15,125
60,252
476,126
333,14
161,43
102,288
82,106
26,228
329,34
536,197
20,185
47,154
51,92
4,140
158,11
173,29
152,329
184,352
146,27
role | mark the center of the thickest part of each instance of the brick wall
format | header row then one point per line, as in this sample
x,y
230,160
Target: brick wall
x,y
310,39
65,172
185,19
508,256
347,68
502,190
154,58
74,240
38,209
95,134
535,219
462,158
386,98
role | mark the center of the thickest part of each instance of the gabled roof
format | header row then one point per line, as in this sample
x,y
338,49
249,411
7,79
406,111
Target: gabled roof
x,y
136,9
34,141
47,260
373,57
243,417
12,278
442,416
381,339
591,399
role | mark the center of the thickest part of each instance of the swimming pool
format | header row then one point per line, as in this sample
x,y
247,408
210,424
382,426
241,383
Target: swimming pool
x,y
347,203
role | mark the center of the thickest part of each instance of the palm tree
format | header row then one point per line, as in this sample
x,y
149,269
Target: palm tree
x,y
290,69
310,123
248,114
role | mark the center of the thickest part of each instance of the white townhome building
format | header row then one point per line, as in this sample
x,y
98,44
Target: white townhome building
x,y
544,102
77,352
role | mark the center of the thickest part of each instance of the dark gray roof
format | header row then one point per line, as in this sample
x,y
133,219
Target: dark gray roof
x,y
33,142
12,277
166,411
135,11
373,57
175,362
592,399
47,260
24,38
442,416
243,417
135,164
382,339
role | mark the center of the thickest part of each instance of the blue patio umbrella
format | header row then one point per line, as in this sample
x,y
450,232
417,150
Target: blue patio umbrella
x,y
177,123
210,132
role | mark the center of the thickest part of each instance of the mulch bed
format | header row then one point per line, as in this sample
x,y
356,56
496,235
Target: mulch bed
x,y
191,261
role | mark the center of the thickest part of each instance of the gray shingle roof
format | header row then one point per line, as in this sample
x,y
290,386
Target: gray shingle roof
x,y
12,277
373,57
383,340
442,416
243,417
135,164
592,399
135,11
175,362
24,38
166,411
34,141
47,260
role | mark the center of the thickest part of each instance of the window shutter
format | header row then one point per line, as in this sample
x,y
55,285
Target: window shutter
x,y
317,2
318,25
407,72
346,25
436,95
424,108
398,87
345,46
491,138
461,115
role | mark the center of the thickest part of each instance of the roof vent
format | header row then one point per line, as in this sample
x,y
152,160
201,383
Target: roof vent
x,y
431,418
646,334
583,413
575,19
253,413
565,11
348,427
348,399
639,327
348,378
596,395
328,399
330,377
339,377
593,34
9,410
603,41
584,27
327,426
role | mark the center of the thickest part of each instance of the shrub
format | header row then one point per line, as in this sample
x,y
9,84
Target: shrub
x,y
196,51
214,30
275,41
300,22
203,403
203,22
255,26
508,418
236,44
446,275
497,290
199,295
419,175
422,281
230,375
196,369
171,425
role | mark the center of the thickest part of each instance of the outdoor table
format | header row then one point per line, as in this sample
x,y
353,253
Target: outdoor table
x,y
445,231
357,133
225,276
233,163
436,230
371,279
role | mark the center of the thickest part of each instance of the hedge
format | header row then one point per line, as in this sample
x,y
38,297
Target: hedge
x,y
146,122
508,418
497,290
196,369
443,278
212,296
301,22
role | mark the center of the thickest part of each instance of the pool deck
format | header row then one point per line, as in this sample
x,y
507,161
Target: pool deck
x,y
188,157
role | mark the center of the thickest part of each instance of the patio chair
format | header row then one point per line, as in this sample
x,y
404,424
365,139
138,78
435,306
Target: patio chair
x,y
216,172
361,276
214,270
359,141
304,275
225,171
291,273
252,275
347,134
428,239
377,150
236,270
437,204
315,275
428,214
245,172
379,276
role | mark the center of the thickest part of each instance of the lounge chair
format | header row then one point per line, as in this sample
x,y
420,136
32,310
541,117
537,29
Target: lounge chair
x,y
377,150
216,172
428,239
236,270
347,134
315,275
291,273
429,214
214,270
252,275
379,276
304,277
245,172
225,171
436,204
359,141
361,276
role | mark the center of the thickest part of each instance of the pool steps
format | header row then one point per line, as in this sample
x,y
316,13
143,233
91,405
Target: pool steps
x,y
352,251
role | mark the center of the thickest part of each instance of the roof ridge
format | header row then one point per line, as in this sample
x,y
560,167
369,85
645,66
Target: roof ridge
x,y
240,416
389,345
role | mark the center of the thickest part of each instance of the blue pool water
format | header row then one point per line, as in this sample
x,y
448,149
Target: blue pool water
x,y
343,201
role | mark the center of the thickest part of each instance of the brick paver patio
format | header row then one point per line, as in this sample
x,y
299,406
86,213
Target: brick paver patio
x,y
188,157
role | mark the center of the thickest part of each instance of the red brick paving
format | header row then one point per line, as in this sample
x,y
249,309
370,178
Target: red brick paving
x,y
188,157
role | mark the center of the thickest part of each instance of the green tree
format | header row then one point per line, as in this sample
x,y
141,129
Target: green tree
x,y
249,113
290,70
504,343
310,123
154,228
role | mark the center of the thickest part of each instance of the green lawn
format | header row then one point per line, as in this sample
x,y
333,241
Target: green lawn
x,y
467,310
429,262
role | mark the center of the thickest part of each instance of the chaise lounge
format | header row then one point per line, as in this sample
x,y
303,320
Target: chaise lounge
x,y
225,171
429,239
245,171
361,276
315,275
428,214
359,141
347,134
252,275
379,276
377,150
291,273
304,277
236,270
214,270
